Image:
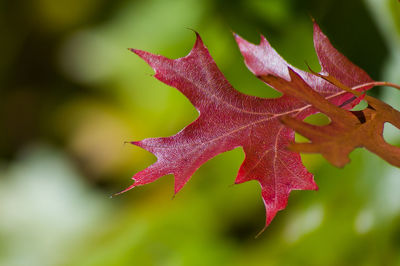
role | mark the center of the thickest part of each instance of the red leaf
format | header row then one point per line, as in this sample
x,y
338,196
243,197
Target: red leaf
x,y
263,60
230,119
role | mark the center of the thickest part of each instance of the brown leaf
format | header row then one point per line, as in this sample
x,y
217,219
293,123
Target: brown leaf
x,y
347,130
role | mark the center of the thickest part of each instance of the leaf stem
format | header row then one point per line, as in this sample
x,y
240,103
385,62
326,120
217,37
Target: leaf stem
x,y
376,83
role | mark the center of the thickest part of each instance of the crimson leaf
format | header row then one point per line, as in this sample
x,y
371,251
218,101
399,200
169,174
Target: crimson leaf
x,y
229,119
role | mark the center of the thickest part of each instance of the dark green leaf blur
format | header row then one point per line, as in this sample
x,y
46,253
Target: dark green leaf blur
x,y
71,94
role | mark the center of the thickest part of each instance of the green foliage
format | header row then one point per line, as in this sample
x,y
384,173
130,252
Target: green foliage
x,y
67,82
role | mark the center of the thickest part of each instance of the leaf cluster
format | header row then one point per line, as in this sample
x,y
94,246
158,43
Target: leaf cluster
x,y
265,128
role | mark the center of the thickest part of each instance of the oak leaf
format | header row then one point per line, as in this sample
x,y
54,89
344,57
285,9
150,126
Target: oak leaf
x,y
347,129
229,119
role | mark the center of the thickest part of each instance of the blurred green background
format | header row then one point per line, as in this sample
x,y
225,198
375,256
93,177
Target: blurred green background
x,y
71,94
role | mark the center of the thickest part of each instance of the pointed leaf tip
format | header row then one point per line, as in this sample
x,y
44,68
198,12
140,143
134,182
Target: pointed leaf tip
x,y
142,54
316,27
136,143
123,191
237,36
196,33
199,41
132,50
